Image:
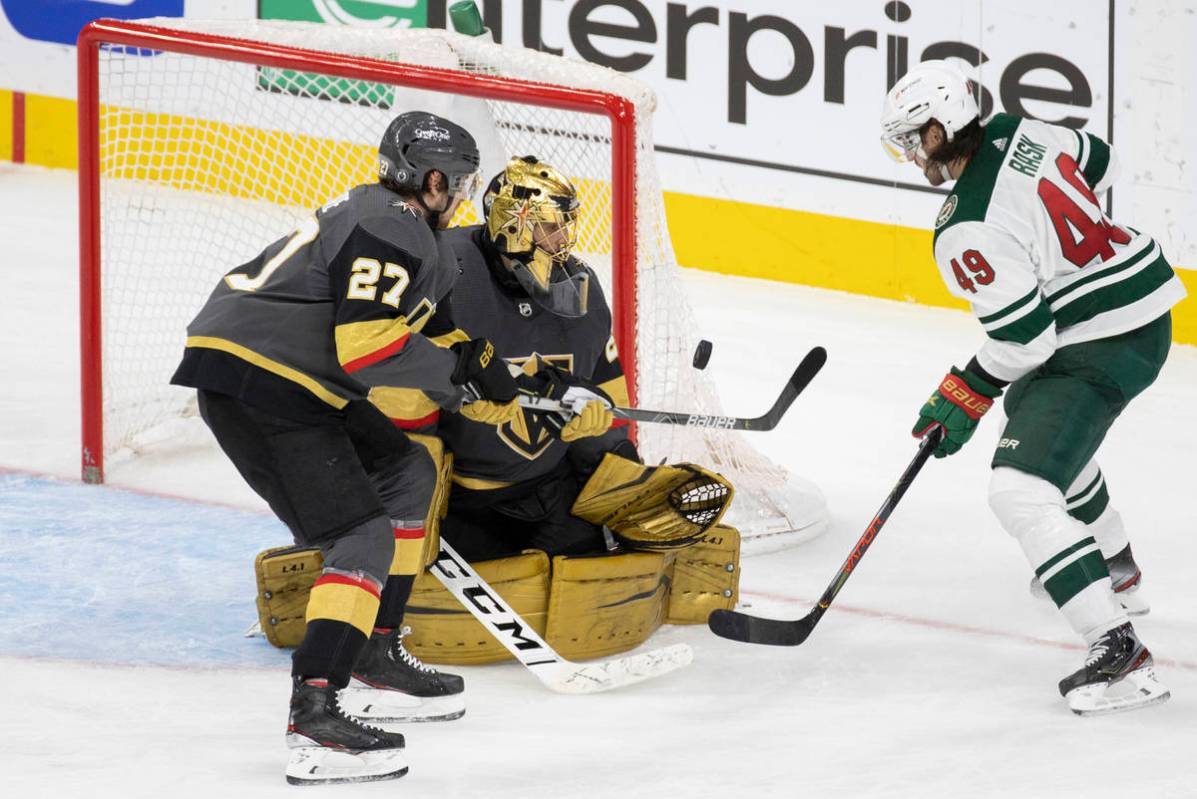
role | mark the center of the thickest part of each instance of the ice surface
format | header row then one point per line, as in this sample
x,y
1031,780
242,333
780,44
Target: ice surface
x,y
933,675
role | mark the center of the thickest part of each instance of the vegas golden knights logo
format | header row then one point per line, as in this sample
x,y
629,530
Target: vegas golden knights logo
x,y
527,434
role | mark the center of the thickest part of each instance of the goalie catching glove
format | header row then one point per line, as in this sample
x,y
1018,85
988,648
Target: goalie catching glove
x,y
655,508
591,407
962,398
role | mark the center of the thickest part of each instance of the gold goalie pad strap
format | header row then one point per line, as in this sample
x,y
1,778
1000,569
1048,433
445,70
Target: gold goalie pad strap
x,y
439,505
656,508
285,576
706,576
442,631
603,604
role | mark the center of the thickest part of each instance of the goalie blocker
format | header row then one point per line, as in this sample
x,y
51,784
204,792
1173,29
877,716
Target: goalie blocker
x,y
684,565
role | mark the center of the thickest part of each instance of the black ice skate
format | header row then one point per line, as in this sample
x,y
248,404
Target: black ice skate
x,y
1118,675
390,685
328,746
1126,577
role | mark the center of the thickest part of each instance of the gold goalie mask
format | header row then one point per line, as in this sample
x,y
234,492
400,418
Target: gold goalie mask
x,y
532,219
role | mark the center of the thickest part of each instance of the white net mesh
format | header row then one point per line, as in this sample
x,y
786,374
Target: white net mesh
x,y
204,161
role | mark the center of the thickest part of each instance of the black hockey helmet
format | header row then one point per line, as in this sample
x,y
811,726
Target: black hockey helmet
x,y
417,142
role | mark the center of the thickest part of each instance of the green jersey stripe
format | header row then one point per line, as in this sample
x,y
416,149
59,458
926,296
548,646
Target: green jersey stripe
x,y
1105,270
1009,309
1088,511
1059,556
1098,160
1080,494
1076,577
1115,295
1027,328
1081,154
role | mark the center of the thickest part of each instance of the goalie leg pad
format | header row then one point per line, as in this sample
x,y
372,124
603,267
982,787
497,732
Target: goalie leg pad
x,y
285,576
654,508
442,631
706,576
603,604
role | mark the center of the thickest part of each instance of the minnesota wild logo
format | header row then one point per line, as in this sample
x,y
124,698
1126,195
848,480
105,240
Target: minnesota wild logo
x,y
945,213
527,434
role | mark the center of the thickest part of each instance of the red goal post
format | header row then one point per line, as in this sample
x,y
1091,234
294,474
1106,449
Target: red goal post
x,y
620,112
200,142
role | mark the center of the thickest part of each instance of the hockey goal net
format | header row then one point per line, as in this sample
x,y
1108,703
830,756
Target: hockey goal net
x,y
201,142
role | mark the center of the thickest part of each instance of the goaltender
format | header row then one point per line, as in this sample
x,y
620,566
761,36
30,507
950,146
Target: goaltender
x,y
566,488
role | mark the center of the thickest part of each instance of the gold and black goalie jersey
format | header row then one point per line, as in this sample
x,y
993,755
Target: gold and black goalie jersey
x,y
326,313
488,302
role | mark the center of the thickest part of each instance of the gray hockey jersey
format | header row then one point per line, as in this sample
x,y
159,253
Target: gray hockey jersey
x,y
328,312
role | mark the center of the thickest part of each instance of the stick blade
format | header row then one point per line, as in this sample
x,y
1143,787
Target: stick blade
x,y
803,374
593,678
736,626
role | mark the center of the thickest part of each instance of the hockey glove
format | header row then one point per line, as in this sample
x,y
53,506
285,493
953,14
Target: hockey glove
x,y
591,406
957,406
489,387
482,373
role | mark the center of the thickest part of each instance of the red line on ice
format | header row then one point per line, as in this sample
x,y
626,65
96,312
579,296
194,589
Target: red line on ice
x,y
934,624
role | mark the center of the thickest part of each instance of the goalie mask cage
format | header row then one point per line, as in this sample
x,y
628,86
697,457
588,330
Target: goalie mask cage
x,y
203,141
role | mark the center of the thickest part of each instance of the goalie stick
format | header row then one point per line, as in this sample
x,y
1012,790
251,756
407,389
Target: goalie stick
x,y
807,369
782,632
518,637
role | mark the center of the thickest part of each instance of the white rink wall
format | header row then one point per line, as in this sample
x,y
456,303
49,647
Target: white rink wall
x,y
775,103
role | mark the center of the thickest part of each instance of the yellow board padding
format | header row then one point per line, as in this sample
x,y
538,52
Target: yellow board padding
x,y
880,260
343,602
1184,315
6,125
862,257
51,138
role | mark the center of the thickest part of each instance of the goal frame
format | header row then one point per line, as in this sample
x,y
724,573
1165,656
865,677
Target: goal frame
x,y
620,111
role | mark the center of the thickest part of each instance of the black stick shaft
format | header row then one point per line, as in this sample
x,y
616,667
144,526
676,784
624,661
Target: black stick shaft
x,y
781,632
879,520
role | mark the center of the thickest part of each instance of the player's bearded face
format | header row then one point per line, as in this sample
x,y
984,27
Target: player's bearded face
x,y
931,140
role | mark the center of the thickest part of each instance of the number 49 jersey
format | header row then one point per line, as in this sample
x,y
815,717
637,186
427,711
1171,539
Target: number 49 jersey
x,y
1023,239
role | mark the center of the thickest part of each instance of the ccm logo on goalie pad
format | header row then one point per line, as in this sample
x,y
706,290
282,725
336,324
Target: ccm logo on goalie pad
x,y
716,422
487,603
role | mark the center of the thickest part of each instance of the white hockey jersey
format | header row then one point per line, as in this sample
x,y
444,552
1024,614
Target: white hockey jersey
x,y
1023,239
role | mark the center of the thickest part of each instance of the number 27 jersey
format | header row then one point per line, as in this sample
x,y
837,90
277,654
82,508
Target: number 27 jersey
x,y
1023,239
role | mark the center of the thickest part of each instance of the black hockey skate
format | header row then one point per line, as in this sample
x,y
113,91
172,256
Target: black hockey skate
x,y
1126,578
328,746
391,685
1118,675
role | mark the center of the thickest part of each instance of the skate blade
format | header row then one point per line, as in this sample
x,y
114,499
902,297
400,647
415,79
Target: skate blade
x,y
380,706
1138,689
319,765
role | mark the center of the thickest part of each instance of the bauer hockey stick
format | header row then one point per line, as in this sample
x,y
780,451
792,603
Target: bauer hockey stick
x,y
807,369
781,632
518,637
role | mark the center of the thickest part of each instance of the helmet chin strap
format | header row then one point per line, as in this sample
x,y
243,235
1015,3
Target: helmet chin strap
x,y
433,218
944,172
